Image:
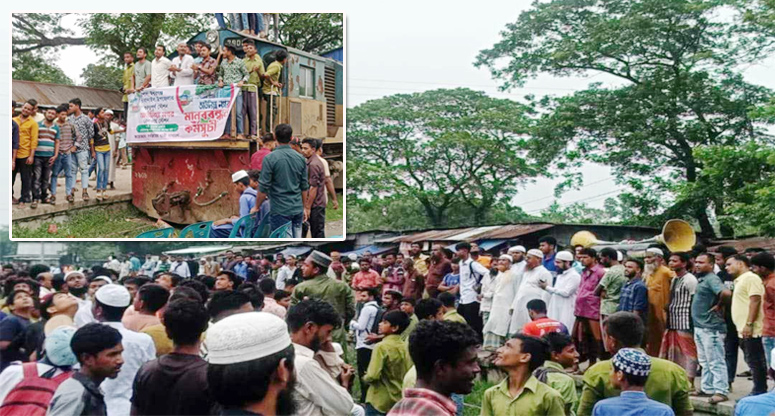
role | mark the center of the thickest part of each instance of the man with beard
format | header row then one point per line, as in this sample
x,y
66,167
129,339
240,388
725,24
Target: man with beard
x,y
440,266
518,265
445,359
634,297
563,293
420,260
142,76
250,367
657,277
317,285
390,276
77,286
678,343
610,285
529,289
311,323
99,351
504,290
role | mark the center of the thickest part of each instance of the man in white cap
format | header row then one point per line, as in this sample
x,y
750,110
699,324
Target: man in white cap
x,y
517,254
110,302
85,315
657,277
505,289
562,298
251,365
529,289
317,285
247,200
311,322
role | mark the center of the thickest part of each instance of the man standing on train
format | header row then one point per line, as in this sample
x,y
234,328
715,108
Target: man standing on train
x,y
272,87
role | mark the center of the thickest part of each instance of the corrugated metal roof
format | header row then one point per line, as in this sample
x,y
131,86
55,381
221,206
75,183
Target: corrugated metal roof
x,y
742,244
52,95
494,232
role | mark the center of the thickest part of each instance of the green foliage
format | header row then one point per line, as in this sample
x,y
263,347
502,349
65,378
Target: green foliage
x,y
32,66
312,32
102,76
679,63
445,149
93,223
113,34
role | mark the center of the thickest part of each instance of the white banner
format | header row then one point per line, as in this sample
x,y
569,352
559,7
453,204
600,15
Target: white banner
x,y
179,114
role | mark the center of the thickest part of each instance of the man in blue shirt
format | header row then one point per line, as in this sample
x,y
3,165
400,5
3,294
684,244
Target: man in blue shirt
x,y
548,245
634,296
247,200
630,370
762,404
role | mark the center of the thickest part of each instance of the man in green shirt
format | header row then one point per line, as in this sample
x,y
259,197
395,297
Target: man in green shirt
x,y
128,79
448,306
233,71
563,356
317,285
255,66
610,287
520,393
667,382
390,361
407,307
272,87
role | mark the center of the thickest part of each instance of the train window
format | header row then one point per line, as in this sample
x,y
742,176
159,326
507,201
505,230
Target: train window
x,y
306,82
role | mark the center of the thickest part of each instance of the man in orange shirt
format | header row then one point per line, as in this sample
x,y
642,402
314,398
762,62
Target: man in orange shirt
x,y
541,324
658,277
366,278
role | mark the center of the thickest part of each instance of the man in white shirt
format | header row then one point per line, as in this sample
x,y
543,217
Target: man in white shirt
x,y
180,70
529,289
517,253
110,302
286,272
563,293
472,273
160,68
149,266
311,322
180,267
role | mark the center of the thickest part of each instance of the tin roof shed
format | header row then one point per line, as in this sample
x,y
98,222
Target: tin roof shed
x,y
52,95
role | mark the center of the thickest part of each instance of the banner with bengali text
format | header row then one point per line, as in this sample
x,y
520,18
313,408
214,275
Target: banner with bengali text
x,y
179,114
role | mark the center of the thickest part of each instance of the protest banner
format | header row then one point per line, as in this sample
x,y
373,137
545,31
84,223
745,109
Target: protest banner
x,y
180,113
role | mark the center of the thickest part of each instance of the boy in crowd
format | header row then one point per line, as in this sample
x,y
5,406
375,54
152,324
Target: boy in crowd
x,y
407,307
389,364
99,351
362,328
13,328
540,324
630,371
562,356
451,282
448,305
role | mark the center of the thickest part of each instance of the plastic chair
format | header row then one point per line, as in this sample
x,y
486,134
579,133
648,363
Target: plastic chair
x,y
160,233
283,232
262,229
198,230
245,223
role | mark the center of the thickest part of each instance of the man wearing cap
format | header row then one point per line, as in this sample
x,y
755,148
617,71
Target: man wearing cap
x,y
497,326
251,365
85,315
517,254
472,274
629,373
317,285
562,295
529,289
657,277
110,302
247,200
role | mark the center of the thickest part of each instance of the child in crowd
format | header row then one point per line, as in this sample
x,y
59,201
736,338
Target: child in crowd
x,y
451,282
389,364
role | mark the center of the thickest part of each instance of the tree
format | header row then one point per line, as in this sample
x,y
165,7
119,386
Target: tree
x,y
576,213
35,31
677,60
102,76
312,32
32,67
443,148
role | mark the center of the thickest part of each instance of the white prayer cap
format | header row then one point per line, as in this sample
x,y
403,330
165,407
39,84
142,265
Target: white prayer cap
x,y
113,295
656,251
352,256
68,274
619,256
535,252
238,175
564,256
246,337
506,257
105,279
108,111
517,249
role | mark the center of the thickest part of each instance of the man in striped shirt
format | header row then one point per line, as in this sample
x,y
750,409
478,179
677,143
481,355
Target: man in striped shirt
x,y
45,155
66,161
678,342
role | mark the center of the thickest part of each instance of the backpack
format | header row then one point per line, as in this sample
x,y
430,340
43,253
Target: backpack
x,y
541,373
377,319
33,394
477,276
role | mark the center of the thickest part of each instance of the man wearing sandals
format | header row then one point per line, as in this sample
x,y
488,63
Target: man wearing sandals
x,y
45,155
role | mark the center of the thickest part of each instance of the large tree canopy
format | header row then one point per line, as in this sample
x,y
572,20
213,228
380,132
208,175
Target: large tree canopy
x,y
679,63
312,32
443,148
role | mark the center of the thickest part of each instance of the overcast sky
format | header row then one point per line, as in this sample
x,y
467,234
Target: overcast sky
x,y
400,47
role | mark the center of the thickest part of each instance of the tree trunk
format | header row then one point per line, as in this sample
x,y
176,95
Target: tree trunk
x,y
724,225
700,207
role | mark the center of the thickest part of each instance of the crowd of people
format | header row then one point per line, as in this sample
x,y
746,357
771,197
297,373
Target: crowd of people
x,y
65,140
274,335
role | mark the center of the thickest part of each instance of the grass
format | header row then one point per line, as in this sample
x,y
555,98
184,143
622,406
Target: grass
x,y
92,223
331,213
473,401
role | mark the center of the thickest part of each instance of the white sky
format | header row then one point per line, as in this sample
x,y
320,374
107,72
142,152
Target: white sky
x,y
400,47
